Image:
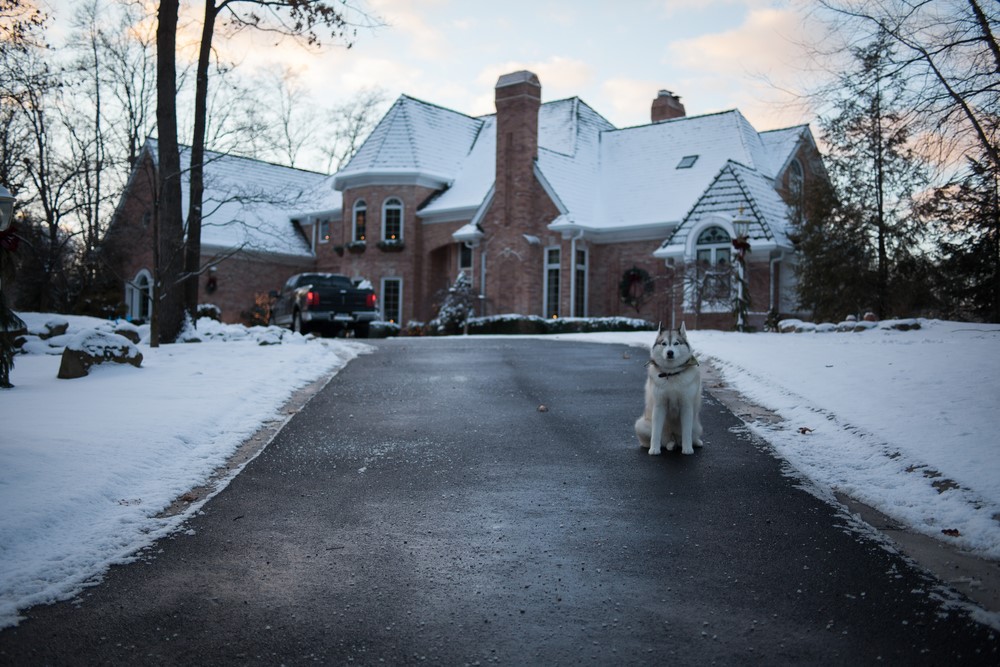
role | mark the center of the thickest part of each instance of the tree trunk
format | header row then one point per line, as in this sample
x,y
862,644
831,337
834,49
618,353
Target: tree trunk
x,y
168,308
192,254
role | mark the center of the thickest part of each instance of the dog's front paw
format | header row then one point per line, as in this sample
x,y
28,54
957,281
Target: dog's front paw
x,y
654,452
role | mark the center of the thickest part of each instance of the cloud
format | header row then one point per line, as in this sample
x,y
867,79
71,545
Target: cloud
x,y
763,42
406,17
559,76
631,99
749,67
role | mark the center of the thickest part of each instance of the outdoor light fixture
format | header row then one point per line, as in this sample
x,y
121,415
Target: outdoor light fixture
x,y
6,208
741,228
741,225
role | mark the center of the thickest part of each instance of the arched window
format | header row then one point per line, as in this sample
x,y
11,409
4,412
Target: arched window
x,y
360,217
796,188
392,220
139,297
712,247
712,252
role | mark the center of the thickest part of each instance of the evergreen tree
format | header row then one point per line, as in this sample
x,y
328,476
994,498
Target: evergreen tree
x,y
836,275
967,215
870,228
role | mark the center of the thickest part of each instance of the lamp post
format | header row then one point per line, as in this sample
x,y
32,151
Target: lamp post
x,y
741,227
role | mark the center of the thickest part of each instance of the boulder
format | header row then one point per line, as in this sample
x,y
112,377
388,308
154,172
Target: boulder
x,y
92,346
128,330
56,326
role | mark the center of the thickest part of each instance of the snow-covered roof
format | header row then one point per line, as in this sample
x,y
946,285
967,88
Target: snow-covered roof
x,y
414,139
248,203
735,190
603,180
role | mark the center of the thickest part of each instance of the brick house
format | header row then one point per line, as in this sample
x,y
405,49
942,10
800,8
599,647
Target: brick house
x,y
548,208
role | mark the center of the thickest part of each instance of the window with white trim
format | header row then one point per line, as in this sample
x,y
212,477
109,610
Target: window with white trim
x,y
324,230
796,181
392,220
552,262
139,297
464,258
712,251
580,284
359,220
392,299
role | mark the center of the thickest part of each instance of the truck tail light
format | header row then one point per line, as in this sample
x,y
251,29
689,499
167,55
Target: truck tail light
x,y
312,299
371,300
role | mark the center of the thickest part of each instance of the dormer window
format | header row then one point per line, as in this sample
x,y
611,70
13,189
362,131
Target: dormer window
x,y
360,215
687,161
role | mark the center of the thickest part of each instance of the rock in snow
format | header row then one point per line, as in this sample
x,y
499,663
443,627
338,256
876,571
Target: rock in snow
x,y
93,346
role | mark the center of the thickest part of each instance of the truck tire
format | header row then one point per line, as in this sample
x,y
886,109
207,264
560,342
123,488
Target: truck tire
x,y
362,330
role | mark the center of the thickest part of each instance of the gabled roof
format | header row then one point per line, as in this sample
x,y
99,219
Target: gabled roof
x,y
735,187
608,181
641,181
247,202
414,139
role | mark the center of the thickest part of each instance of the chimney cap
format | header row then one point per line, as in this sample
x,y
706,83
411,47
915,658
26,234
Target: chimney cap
x,y
515,78
668,93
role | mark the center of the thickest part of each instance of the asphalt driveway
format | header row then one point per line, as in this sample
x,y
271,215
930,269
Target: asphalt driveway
x,y
455,501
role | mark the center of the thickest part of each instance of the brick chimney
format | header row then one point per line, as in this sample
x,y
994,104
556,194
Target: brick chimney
x,y
518,98
513,263
667,106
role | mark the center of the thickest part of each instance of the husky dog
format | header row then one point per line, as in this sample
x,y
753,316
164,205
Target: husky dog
x,y
673,395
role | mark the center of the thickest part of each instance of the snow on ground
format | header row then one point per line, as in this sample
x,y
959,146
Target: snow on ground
x,y
904,421
87,464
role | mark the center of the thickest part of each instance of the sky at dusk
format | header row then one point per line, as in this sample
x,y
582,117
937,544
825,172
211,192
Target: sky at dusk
x,y
715,54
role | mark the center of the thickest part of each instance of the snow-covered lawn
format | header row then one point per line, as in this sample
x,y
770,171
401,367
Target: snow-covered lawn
x,y
903,421
87,464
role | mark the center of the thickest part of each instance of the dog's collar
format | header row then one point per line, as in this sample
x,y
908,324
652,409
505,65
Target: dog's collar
x,y
688,365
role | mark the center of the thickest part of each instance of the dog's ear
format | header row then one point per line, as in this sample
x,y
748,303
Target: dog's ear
x,y
659,328
683,329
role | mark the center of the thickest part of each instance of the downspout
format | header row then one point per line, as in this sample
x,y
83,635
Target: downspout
x,y
482,278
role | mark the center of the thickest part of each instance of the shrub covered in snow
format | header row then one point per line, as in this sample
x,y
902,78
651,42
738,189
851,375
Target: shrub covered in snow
x,y
457,306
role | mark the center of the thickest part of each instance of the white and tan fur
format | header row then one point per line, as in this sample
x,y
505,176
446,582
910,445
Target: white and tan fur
x,y
673,395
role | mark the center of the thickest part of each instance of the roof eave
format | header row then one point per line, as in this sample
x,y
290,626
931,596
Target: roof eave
x,y
365,177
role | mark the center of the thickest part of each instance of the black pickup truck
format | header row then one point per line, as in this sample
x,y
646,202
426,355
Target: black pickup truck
x,y
325,302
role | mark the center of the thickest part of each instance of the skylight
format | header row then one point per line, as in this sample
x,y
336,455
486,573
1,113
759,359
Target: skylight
x,y
687,161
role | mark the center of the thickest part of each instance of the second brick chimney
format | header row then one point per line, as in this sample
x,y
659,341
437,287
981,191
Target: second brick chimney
x,y
667,106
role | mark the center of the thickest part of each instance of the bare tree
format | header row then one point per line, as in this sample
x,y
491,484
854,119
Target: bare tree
x,y
947,52
350,123
284,18
168,223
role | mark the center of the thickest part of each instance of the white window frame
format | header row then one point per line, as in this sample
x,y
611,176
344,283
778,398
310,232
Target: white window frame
x,y
134,297
721,305
359,205
578,288
385,207
399,315
549,266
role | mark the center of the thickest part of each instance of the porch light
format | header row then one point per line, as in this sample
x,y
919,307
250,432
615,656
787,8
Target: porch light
x,y
741,224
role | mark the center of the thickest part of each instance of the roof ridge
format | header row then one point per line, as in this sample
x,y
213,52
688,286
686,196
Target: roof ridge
x,y
235,156
680,119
